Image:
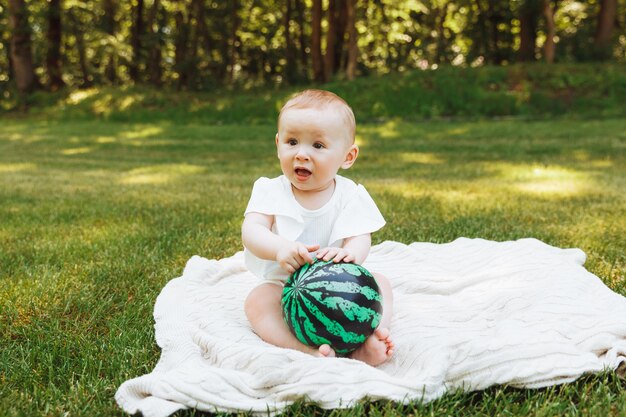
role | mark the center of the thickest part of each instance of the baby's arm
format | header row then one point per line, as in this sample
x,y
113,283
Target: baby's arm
x,y
355,249
259,239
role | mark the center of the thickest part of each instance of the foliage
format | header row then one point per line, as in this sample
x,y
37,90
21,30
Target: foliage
x,y
203,44
97,216
530,90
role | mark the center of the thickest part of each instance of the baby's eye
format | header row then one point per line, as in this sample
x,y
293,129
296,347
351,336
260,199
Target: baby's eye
x,y
318,145
292,142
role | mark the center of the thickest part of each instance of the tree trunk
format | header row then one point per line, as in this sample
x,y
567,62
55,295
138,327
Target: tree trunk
x,y
353,49
331,36
232,55
316,42
197,10
529,17
302,37
289,70
137,32
549,46
494,20
341,20
604,30
154,24
110,27
181,40
53,54
21,52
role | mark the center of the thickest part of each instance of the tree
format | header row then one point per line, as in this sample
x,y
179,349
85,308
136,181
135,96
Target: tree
x,y
604,31
304,61
76,29
181,41
549,46
21,50
290,67
109,26
441,37
331,38
53,55
341,20
137,32
353,48
233,42
529,20
316,42
155,43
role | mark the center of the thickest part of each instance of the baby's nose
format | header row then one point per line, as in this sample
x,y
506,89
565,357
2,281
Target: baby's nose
x,y
302,154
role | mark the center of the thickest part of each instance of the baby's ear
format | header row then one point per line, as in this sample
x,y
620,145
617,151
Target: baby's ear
x,y
277,145
351,156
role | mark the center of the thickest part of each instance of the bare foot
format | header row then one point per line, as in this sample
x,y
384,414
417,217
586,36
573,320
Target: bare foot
x,y
376,349
325,351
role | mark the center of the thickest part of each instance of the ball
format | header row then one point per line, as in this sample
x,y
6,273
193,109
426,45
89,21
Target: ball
x,y
339,304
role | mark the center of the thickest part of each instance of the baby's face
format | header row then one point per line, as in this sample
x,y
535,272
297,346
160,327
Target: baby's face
x,y
312,145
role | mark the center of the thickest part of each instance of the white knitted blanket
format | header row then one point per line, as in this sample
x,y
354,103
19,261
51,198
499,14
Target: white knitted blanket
x,y
468,314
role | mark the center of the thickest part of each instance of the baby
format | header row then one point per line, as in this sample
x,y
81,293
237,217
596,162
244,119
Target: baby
x,y
308,212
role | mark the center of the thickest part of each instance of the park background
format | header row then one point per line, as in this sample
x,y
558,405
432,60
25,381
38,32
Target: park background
x,y
131,133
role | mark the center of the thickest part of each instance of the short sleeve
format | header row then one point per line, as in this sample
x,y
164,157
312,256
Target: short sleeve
x,y
261,200
359,215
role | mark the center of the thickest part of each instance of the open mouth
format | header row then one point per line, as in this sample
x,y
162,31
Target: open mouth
x,y
302,173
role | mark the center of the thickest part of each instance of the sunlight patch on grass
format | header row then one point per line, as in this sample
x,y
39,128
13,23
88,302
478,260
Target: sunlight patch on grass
x,y
6,168
389,130
76,151
553,188
548,181
143,132
459,131
421,158
30,137
160,174
78,96
105,139
104,105
129,101
448,193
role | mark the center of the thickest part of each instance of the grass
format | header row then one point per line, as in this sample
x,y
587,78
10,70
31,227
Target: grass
x,y
96,216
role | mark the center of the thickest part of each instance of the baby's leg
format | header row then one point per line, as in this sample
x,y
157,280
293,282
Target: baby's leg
x,y
265,315
379,346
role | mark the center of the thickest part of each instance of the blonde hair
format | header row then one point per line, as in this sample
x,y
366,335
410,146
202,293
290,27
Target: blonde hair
x,y
321,99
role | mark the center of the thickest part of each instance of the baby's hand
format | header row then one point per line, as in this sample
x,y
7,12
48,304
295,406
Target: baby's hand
x,y
292,257
336,254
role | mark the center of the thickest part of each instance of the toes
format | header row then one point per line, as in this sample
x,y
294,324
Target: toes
x,y
324,350
382,334
327,351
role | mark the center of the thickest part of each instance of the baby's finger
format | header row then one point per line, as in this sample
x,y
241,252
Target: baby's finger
x,y
305,255
288,268
296,264
330,254
312,248
340,256
349,258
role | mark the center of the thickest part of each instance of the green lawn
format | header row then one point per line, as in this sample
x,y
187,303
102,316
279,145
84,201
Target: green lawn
x,y
95,218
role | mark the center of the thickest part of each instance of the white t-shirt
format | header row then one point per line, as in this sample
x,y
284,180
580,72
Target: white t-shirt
x,y
349,212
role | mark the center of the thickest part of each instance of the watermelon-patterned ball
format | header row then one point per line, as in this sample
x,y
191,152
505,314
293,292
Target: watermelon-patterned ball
x,y
338,304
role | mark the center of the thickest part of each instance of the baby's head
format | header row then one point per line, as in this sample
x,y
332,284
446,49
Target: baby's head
x,y
327,104
315,139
